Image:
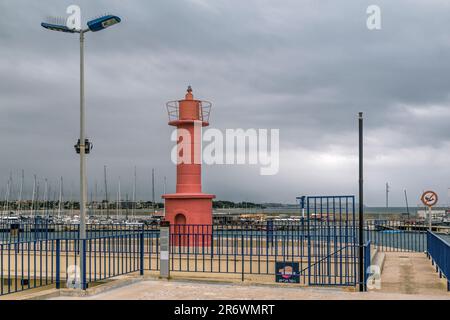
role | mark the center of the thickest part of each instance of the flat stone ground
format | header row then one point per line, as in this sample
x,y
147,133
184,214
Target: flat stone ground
x,y
405,276
175,290
411,273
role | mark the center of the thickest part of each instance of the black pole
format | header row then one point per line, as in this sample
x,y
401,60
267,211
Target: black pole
x,y
361,206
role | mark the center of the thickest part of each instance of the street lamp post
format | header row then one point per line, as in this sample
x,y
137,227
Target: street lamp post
x,y
83,146
82,151
361,203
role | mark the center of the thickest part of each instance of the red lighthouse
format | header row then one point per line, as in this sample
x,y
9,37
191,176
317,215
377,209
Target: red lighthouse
x,y
189,205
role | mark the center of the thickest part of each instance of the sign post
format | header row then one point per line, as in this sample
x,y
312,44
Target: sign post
x,y
429,198
164,249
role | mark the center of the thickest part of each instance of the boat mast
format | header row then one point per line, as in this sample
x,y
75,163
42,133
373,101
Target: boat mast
x,y
53,203
448,202
37,197
153,190
387,195
95,198
46,198
33,195
133,208
71,199
11,192
118,202
20,194
6,205
106,193
60,197
165,182
90,206
4,202
407,206
127,207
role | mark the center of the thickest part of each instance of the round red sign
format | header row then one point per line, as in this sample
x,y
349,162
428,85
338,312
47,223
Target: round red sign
x,y
429,198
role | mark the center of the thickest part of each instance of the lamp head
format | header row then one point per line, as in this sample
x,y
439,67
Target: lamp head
x,y
57,24
103,22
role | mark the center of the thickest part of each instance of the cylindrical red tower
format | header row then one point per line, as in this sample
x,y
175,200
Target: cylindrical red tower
x,y
189,206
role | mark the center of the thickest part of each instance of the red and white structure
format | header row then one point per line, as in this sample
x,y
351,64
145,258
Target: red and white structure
x,y
189,205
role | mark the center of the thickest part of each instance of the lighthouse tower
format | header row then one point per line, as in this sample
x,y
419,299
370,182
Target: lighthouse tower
x,y
189,205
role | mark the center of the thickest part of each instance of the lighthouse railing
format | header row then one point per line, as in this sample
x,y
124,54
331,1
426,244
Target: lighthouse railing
x,y
173,110
205,110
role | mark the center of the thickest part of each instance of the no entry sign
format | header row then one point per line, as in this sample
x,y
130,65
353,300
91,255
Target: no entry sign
x,y
429,198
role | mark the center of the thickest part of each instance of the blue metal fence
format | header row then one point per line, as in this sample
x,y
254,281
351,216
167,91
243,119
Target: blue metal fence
x,y
391,235
37,263
27,265
438,250
245,249
386,235
113,255
325,246
23,232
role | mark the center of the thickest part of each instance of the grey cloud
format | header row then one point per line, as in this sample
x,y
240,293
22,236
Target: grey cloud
x,y
305,67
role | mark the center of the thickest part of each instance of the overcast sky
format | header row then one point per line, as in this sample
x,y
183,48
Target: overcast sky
x,y
305,67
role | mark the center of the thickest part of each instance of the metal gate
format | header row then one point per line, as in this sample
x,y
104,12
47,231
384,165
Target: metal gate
x,y
323,247
332,241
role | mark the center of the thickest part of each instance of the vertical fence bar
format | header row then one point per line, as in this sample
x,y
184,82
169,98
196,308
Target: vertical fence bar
x,y
308,270
1,268
141,252
83,267
212,241
58,263
242,256
367,263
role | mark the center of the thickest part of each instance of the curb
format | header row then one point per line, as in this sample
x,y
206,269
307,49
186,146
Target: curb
x,y
111,285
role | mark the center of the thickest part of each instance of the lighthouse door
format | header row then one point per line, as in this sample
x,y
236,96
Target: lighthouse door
x,y
180,219
180,233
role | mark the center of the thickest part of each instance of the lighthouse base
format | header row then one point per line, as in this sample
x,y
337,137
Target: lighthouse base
x,y
190,217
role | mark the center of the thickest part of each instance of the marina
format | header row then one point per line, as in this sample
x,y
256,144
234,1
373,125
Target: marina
x,y
224,150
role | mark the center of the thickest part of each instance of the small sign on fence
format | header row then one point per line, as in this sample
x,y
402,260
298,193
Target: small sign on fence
x,y
287,272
